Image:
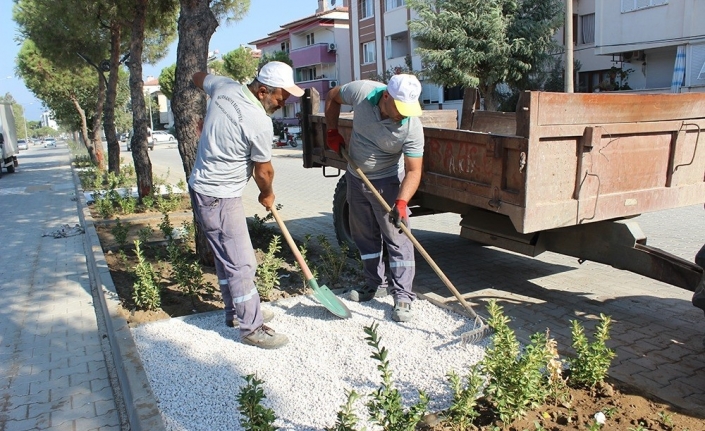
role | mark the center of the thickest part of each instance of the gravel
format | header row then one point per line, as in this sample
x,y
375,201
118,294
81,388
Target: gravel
x,y
196,365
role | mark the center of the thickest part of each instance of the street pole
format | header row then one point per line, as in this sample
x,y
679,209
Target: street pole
x,y
568,33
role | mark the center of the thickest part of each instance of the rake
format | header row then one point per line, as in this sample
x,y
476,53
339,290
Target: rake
x,y
480,329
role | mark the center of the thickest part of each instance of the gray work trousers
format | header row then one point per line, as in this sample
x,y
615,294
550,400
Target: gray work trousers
x,y
225,226
371,230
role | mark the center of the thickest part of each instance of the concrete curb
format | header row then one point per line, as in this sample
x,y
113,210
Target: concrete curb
x,y
141,405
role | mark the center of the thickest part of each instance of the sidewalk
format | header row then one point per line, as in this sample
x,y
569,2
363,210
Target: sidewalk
x,y
61,365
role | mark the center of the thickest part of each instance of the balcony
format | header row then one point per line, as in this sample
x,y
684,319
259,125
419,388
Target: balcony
x,y
312,54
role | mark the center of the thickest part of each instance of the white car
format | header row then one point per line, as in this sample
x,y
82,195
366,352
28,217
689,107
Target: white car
x,y
161,136
22,144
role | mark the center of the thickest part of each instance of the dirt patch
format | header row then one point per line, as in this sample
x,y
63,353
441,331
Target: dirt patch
x,y
625,408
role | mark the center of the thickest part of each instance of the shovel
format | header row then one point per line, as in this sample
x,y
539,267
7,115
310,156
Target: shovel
x,y
480,328
322,293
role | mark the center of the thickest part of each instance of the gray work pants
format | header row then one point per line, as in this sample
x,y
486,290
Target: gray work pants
x,y
371,230
225,226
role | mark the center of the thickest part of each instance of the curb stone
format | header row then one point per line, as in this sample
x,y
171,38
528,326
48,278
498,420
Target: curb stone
x,y
140,404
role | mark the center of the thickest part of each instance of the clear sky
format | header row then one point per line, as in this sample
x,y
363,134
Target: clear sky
x,y
264,17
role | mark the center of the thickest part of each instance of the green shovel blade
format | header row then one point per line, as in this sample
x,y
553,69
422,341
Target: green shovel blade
x,y
329,300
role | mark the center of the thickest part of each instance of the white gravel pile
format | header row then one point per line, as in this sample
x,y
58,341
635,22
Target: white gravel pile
x,y
196,365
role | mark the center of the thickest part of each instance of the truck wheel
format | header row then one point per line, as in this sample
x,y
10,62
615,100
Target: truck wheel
x,y
341,216
11,169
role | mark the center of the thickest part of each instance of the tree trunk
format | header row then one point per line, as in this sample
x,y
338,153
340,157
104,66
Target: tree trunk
x,y
138,143
196,26
487,92
110,134
471,102
96,141
84,127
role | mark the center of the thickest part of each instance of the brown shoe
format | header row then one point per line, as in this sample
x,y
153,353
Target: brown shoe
x,y
265,338
267,317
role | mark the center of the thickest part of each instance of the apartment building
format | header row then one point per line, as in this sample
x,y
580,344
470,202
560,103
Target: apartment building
x,y
318,46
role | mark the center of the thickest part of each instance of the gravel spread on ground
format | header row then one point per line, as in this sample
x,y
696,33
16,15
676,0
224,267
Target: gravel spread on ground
x,y
196,365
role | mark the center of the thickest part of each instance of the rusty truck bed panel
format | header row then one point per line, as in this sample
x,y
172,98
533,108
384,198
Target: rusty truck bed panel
x,y
574,159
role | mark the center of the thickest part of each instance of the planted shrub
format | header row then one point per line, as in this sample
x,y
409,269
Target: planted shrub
x,y
592,360
255,417
120,232
145,291
268,270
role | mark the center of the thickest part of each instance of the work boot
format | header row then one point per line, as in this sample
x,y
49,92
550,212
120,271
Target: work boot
x,y
402,312
265,338
267,317
366,293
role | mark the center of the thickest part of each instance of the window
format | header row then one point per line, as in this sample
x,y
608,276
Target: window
x,y
305,74
393,4
632,5
366,8
368,53
587,28
309,39
285,47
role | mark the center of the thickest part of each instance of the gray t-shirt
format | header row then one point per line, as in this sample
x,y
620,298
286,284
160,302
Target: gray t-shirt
x,y
236,132
376,145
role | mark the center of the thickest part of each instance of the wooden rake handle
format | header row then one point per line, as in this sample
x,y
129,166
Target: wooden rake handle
x,y
408,233
292,245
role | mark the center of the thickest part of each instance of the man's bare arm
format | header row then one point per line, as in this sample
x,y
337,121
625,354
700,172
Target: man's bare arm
x,y
264,176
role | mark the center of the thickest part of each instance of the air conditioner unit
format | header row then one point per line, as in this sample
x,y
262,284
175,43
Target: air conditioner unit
x,y
332,47
332,84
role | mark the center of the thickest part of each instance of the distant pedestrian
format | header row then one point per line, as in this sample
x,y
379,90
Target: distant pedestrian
x,y
385,128
236,142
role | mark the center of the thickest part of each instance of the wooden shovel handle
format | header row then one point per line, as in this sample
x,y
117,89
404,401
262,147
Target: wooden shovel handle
x,y
408,233
294,249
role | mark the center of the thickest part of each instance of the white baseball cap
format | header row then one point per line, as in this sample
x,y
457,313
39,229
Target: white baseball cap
x,y
279,75
405,90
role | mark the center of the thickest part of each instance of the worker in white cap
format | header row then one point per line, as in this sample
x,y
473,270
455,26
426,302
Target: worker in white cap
x,y
236,141
387,144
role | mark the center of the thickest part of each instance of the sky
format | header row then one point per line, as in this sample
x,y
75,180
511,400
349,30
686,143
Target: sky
x,y
264,17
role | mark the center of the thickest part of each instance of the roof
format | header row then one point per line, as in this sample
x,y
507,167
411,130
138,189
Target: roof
x,y
335,13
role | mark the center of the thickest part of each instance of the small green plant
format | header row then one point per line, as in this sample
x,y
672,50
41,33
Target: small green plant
x,y
145,234
346,419
166,228
145,292
303,249
385,406
255,417
103,205
666,419
592,360
127,203
594,426
186,271
120,232
610,412
333,261
268,270
516,380
639,427
148,201
463,410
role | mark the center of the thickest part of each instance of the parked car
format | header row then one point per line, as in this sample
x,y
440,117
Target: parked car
x,y
22,144
163,136
124,137
49,142
150,143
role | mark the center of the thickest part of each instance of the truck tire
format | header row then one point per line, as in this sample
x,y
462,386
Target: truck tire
x,y
341,216
10,169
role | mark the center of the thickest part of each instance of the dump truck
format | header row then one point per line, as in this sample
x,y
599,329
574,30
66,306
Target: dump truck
x,y
566,172
8,139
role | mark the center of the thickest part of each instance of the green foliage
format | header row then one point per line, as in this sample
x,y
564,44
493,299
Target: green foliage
x,y
127,203
186,270
592,360
103,205
240,65
145,291
167,202
282,56
385,406
255,417
145,234
167,77
268,270
516,382
166,228
346,420
303,249
463,410
259,228
333,261
476,43
120,231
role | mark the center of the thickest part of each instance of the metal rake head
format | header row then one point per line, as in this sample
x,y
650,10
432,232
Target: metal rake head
x,y
479,331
